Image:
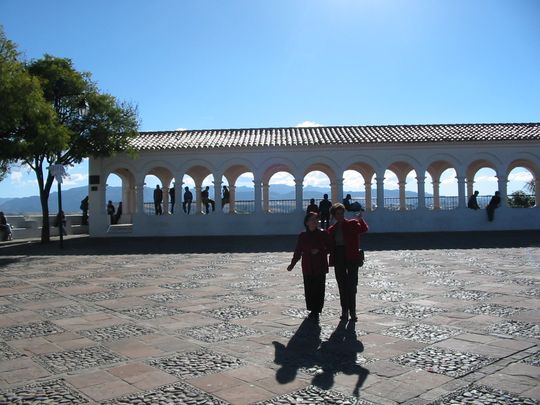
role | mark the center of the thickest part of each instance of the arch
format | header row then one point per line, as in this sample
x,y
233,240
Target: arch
x,y
403,158
229,165
127,195
362,161
198,173
526,163
322,164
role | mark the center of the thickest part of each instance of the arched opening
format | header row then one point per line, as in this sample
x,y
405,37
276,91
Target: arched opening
x,y
521,188
485,182
120,191
208,199
442,185
411,191
241,188
316,184
152,203
428,188
448,190
186,200
391,191
281,193
355,186
193,178
397,197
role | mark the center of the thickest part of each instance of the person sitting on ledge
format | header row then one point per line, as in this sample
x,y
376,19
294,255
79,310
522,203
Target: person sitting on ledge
x,y
352,207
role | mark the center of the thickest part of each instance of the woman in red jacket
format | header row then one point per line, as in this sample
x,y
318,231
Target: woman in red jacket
x,y
345,257
313,246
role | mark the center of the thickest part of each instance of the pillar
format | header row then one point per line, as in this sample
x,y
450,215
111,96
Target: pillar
x,y
461,180
258,195
337,190
299,195
165,202
380,191
436,194
402,201
232,199
266,197
217,193
139,189
198,205
470,187
502,181
368,196
421,182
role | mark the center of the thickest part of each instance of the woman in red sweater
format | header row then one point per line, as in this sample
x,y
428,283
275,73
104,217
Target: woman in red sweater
x,y
313,246
345,257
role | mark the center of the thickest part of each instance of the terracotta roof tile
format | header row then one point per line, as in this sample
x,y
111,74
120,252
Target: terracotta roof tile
x,y
348,135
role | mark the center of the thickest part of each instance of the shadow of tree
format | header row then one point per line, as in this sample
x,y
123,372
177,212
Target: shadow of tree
x,y
323,360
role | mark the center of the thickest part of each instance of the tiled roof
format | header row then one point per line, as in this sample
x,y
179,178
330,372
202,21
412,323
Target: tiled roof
x,y
345,135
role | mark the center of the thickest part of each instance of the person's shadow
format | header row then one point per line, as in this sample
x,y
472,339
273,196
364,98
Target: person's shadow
x,y
323,360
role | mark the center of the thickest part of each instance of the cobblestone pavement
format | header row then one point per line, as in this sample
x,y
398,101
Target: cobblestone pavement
x,y
442,326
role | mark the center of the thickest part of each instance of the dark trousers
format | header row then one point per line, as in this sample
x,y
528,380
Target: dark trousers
x,y
157,208
490,212
314,291
347,279
172,206
325,219
186,206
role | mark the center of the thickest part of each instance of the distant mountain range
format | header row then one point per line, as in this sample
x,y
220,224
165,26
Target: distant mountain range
x,y
71,198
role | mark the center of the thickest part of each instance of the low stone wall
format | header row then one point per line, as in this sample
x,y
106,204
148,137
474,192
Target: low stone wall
x,y
29,226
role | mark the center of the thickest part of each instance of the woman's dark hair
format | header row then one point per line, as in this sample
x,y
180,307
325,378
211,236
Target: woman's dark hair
x,y
335,207
308,216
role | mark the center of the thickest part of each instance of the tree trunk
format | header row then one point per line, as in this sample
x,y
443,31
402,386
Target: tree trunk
x,y
44,191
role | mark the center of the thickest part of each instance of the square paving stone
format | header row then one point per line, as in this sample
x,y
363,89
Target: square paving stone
x,y
69,311
242,298
478,394
515,328
33,296
8,353
393,295
178,393
71,360
469,295
151,312
218,332
315,395
184,285
194,364
232,312
493,309
30,330
407,310
422,332
441,361
173,296
48,392
100,296
115,332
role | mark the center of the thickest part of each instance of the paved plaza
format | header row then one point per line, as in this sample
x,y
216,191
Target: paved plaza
x,y
436,326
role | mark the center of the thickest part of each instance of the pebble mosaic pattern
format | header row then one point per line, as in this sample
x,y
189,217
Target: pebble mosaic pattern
x,y
8,353
232,312
493,309
123,285
393,296
244,298
407,310
163,298
50,392
314,395
65,284
469,295
33,296
7,309
482,395
183,285
115,332
535,292
100,296
303,313
151,312
218,332
515,328
194,364
179,393
30,330
249,285
533,360
441,361
12,284
447,282
65,312
382,284
422,332
71,360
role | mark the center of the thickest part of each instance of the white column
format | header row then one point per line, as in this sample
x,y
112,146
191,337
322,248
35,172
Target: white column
x,y
536,193
421,182
165,202
402,205
258,195
198,205
503,189
380,191
470,187
266,197
337,190
232,199
436,194
461,191
299,195
139,188
217,193
368,196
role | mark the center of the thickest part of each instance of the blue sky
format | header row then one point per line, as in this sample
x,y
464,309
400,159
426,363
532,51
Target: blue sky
x,y
229,64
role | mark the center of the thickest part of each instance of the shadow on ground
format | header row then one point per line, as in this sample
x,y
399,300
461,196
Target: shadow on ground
x,y
277,243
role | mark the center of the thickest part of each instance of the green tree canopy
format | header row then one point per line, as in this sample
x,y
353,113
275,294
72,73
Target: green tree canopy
x,y
50,113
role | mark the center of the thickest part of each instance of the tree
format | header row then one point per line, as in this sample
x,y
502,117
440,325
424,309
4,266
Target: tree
x,y
43,124
518,199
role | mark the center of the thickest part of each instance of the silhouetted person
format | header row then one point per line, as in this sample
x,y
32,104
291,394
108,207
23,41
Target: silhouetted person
x,y
207,201
172,198
473,203
313,246
324,211
312,207
158,199
226,196
84,208
346,258
351,206
494,203
118,213
5,228
61,223
110,211
188,199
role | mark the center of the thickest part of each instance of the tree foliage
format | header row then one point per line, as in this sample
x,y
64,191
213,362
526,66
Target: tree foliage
x,y
42,121
518,199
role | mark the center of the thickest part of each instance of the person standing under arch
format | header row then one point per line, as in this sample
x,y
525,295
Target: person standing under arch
x,y
158,199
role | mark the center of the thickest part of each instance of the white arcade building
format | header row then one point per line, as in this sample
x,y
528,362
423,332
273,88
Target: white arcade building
x,y
225,154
